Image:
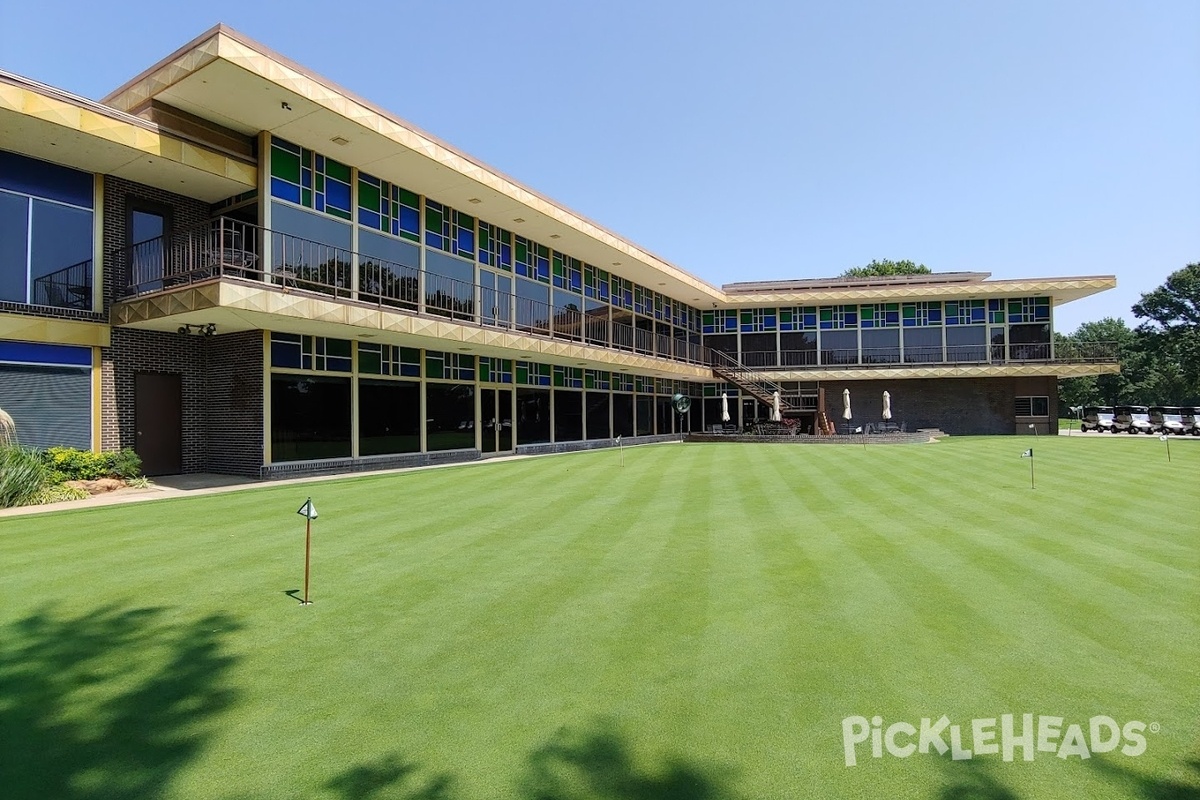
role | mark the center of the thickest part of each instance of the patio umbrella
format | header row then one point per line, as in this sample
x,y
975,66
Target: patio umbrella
x,y
775,416
887,406
724,407
846,404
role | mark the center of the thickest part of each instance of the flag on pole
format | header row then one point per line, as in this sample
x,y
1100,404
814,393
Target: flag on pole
x,y
308,510
617,441
1028,453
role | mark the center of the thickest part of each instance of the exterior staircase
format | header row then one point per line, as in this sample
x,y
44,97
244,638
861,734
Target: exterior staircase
x,y
730,370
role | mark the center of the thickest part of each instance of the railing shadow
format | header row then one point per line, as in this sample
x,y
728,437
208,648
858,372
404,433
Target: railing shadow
x,y
108,704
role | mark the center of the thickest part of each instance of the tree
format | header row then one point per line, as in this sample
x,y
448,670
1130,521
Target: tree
x,y
1170,336
886,268
1103,389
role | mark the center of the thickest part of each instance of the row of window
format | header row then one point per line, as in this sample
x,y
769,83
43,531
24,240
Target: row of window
x,y
325,354
868,316
319,183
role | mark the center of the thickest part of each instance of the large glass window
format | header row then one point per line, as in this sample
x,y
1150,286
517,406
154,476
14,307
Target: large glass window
x,y
45,233
1029,342
922,345
389,269
310,250
568,415
645,415
839,347
966,343
758,350
533,416
622,414
389,417
449,416
310,417
597,415
533,307
449,285
881,346
798,349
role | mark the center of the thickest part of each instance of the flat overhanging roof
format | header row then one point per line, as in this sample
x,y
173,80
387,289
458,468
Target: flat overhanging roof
x,y
43,122
233,81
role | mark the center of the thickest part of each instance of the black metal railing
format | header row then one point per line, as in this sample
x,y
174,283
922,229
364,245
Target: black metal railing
x,y
69,287
227,248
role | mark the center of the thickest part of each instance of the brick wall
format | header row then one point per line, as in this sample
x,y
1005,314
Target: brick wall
x,y
234,403
185,213
135,351
956,405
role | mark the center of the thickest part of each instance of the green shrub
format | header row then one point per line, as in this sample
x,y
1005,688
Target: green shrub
x,y
69,464
23,473
124,464
57,494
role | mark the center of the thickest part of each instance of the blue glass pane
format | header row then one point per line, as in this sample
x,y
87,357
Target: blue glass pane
x,y
952,320
433,240
319,205
787,326
826,324
410,220
285,191
851,319
320,163
284,145
43,179
368,218
910,323
337,194
892,317
337,364
810,320
935,315
769,322
977,315
466,241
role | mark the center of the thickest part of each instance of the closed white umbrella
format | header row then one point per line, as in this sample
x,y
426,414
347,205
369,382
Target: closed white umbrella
x,y
887,406
724,407
775,415
846,404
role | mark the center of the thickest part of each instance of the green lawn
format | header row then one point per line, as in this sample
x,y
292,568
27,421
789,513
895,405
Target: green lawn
x,y
693,625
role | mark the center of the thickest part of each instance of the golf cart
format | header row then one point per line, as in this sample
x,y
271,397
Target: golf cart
x,y
1097,418
1168,419
1132,419
1191,421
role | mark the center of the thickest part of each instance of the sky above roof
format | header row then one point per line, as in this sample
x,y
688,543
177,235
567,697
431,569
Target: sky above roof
x,y
764,140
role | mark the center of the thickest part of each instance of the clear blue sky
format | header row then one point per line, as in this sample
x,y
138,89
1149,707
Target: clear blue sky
x,y
757,140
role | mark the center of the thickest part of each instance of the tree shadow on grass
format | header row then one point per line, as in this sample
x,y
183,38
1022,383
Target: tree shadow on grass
x,y
972,780
385,778
1148,787
108,704
597,764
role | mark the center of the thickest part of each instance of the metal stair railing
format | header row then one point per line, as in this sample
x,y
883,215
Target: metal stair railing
x,y
728,368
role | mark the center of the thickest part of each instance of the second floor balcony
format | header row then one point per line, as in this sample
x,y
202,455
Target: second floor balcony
x,y
230,249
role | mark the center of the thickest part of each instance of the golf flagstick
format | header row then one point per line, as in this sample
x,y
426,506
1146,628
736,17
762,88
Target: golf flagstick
x,y
1167,439
309,512
1029,454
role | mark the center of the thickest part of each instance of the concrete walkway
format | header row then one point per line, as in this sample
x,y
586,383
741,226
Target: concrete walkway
x,y
194,485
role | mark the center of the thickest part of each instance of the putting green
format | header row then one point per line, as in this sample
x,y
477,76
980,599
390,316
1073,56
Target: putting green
x,y
695,624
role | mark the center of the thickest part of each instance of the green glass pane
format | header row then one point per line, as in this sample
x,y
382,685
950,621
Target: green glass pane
x,y
433,220
910,311
522,252
826,314
892,306
370,363
868,312
485,370
285,165
747,317
410,199
464,220
337,212
337,347
306,197
336,170
368,196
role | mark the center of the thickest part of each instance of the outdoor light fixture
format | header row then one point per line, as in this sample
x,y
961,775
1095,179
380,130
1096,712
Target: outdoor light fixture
x,y
340,141
207,329
285,106
475,200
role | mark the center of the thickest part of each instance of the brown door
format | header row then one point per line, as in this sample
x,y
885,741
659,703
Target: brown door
x,y
158,415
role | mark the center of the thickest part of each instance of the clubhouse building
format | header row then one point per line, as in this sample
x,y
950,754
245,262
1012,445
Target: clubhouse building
x,y
232,265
